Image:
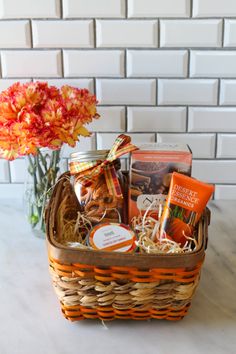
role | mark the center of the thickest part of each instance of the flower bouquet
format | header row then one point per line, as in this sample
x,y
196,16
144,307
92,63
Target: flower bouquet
x,y
35,121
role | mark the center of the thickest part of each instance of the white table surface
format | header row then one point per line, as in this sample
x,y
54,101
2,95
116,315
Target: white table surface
x,y
31,322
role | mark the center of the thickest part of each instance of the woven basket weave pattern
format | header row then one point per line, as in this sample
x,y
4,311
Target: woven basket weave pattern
x,y
120,292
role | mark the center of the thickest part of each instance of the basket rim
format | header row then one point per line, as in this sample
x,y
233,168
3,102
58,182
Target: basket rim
x,y
141,260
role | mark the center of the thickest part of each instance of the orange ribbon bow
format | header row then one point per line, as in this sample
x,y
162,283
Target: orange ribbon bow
x,y
121,146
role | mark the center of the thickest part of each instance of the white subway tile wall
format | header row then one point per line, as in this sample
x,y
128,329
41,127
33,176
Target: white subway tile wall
x,y
187,92
159,63
228,92
191,33
160,119
66,34
18,169
18,34
31,63
84,144
159,8
230,33
162,70
4,172
226,146
202,145
94,8
99,63
126,33
105,140
214,8
126,91
218,119
29,9
112,119
213,63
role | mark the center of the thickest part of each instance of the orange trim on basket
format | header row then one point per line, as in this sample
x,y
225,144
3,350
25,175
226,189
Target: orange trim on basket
x,y
87,310
84,274
105,308
143,280
123,273
72,313
186,280
121,276
123,269
102,271
138,272
106,314
90,316
103,278
110,313
64,274
83,266
121,312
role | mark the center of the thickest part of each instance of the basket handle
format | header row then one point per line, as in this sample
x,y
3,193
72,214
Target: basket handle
x,y
207,220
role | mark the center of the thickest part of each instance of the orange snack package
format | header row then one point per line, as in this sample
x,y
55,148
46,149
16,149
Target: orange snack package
x,y
185,203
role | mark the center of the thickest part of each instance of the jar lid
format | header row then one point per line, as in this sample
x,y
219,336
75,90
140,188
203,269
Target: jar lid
x,y
91,155
112,237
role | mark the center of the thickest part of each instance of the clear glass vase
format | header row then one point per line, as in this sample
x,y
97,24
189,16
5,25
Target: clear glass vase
x,y
43,170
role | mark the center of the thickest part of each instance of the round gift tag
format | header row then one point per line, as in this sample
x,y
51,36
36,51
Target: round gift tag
x,y
112,237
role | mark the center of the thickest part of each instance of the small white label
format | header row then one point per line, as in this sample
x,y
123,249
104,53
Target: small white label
x,y
145,200
111,235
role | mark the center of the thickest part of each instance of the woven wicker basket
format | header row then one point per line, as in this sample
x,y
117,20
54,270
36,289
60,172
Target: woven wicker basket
x,y
111,285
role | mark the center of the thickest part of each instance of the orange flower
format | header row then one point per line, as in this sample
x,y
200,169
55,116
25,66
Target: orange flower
x,y
35,115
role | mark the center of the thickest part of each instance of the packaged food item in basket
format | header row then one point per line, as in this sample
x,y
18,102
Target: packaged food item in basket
x,y
112,237
150,174
187,198
99,183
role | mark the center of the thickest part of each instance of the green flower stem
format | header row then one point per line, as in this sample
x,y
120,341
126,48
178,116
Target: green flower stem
x,y
39,168
32,172
43,169
41,221
43,159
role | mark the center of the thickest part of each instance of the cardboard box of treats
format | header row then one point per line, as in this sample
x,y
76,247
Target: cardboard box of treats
x,y
151,168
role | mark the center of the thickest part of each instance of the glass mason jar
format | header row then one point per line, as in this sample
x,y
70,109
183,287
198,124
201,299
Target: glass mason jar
x,y
96,202
42,171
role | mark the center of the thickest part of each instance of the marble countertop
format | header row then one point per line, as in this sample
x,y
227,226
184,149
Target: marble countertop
x,y
31,322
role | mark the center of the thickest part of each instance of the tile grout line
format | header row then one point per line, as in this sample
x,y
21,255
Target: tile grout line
x,y
62,64
216,146
126,119
125,63
187,120
189,62
9,172
94,34
61,9
31,34
126,9
191,9
218,92
223,33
